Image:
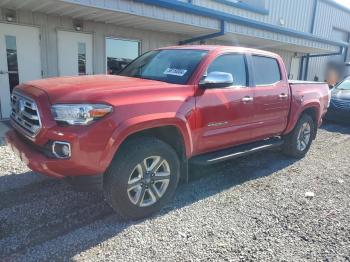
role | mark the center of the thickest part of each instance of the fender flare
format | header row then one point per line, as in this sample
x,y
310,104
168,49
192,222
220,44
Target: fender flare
x,y
295,116
144,122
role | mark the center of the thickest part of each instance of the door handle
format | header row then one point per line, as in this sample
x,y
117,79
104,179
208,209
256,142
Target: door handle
x,y
247,99
283,96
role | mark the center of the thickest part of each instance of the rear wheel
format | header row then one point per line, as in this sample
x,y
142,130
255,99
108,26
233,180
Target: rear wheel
x,y
142,178
298,142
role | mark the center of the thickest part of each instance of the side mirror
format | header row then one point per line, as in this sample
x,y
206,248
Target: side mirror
x,y
217,80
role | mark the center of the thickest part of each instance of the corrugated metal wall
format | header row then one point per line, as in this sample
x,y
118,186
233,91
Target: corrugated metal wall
x,y
329,19
136,8
295,13
279,38
286,56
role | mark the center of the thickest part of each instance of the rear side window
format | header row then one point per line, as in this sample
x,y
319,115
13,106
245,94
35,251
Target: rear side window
x,y
266,70
233,64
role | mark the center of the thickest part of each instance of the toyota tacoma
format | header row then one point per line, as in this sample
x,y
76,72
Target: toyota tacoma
x,y
133,135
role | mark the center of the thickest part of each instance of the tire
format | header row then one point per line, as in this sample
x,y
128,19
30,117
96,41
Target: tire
x,y
126,180
291,146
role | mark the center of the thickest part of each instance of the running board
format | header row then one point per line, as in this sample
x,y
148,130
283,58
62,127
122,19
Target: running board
x,y
238,151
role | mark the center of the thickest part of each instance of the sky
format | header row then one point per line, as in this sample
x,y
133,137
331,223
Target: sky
x,y
344,2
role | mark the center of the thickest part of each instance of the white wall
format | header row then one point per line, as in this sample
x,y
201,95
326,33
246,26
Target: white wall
x,y
50,24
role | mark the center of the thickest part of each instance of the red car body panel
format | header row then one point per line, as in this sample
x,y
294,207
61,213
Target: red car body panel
x,y
140,104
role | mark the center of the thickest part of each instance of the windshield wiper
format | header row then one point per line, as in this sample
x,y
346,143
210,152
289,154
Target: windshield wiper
x,y
143,77
149,78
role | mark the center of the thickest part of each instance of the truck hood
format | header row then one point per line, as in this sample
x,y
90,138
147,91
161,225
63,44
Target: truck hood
x,y
341,94
92,88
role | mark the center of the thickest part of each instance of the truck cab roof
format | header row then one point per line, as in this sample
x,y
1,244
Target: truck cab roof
x,y
218,48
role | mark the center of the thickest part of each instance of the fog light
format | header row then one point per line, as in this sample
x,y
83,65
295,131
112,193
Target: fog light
x,y
61,149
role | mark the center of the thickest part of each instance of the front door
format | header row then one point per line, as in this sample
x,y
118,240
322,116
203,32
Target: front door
x,y
19,60
224,115
74,53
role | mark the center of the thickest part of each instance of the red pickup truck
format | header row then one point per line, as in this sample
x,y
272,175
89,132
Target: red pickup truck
x,y
133,135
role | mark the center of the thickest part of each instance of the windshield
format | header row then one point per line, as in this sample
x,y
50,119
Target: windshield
x,y
345,85
172,65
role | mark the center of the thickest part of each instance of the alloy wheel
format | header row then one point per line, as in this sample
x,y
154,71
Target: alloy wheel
x,y
148,181
304,137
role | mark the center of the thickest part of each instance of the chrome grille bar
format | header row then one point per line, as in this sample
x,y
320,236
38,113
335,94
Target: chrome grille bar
x,y
25,114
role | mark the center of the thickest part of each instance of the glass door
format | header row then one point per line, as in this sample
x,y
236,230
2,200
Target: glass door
x,y
74,53
19,60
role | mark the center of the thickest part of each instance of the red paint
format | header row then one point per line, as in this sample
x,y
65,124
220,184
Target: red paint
x,y
140,104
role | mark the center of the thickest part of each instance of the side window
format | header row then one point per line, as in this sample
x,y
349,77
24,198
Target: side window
x,y
233,64
266,70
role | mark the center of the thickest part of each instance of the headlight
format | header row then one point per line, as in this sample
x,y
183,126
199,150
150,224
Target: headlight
x,y
79,114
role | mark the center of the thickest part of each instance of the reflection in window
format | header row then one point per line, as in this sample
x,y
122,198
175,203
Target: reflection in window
x,y
82,58
233,64
12,62
120,53
266,70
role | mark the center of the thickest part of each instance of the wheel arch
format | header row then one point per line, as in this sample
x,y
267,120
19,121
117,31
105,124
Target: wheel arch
x,y
173,131
313,112
313,109
169,134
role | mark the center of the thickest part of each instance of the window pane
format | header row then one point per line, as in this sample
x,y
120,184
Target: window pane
x,y
12,62
266,70
233,64
120,53
82,58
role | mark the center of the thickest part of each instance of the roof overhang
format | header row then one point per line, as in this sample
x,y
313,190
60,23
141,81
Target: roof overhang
x,y
121,16
194,21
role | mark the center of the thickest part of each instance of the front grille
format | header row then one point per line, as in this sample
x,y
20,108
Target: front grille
x,y
25,114
341,104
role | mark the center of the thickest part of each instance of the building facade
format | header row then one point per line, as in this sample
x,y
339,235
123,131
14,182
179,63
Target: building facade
x,y
47,38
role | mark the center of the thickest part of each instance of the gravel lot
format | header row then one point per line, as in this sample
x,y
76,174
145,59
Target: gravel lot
x,y
249,209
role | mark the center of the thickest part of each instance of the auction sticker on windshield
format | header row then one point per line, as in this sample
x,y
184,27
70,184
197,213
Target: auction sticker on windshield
x,y
175,72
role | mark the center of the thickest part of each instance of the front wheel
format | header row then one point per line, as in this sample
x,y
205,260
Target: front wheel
x,y
298,142
142,178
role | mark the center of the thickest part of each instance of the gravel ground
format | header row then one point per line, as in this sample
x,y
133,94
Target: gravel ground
x,y
264,207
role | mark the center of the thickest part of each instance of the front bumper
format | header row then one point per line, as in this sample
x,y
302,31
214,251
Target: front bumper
x,y
40,163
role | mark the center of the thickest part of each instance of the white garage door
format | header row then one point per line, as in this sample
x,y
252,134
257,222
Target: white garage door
x,y
74,53
19,60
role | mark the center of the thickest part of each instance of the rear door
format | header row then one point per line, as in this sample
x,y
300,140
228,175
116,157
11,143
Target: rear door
x,y
224,115
271,97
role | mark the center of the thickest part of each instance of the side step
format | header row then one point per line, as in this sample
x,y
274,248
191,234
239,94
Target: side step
x,y
237,151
